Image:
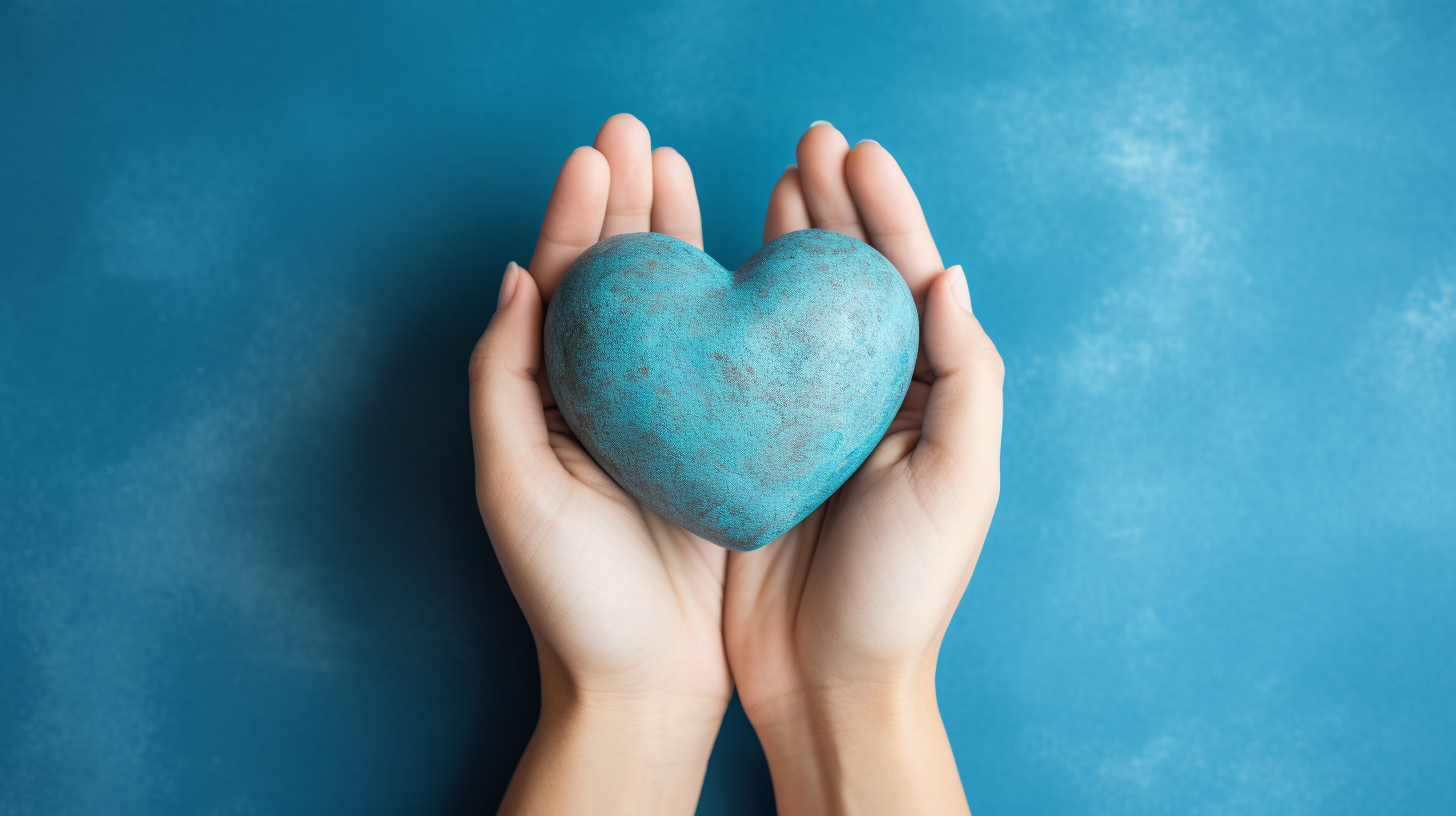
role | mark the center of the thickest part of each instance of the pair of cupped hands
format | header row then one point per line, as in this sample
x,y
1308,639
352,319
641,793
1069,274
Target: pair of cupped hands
x,y
643,630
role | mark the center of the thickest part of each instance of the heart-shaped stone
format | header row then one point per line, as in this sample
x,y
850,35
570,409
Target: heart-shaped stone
x,y
733,403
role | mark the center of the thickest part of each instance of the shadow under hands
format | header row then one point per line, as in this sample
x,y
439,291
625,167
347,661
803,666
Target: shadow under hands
x,y
418,543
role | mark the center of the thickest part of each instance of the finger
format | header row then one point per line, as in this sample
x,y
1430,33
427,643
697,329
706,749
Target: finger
x,y
787,211
959,449
628,148
513,458
573,218
674,198
822,151
892,216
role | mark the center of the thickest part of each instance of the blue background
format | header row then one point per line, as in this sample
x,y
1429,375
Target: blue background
x,y
245,249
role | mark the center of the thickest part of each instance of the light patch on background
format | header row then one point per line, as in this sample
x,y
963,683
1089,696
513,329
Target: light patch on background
x,y
1405,359
173,214
1155,152
1154,422
1247,764
99,651
1419,340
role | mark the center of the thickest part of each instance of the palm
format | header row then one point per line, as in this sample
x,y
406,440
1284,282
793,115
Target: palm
x,y
642,598
816,605
864,583
618,596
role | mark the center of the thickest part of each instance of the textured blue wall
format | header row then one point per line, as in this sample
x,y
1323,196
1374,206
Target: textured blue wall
x,y
245,249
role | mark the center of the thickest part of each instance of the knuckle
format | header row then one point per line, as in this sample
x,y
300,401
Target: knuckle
x,y
988,363
488,362
480,362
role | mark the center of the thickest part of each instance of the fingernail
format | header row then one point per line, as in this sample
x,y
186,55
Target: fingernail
x,y
960,287
508,285
866,141
791,167
818,122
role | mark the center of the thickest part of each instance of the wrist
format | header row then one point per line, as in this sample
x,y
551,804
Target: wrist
x,y
861,747
674,725
674,707
607,755
822,724
606,749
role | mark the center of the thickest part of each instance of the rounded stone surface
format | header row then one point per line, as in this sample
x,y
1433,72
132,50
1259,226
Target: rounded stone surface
x,y
733,403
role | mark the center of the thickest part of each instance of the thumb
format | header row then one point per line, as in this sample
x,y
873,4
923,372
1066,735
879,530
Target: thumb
x,y
959,453
513,456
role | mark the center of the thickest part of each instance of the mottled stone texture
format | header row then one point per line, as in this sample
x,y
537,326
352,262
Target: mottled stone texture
x,y
733,403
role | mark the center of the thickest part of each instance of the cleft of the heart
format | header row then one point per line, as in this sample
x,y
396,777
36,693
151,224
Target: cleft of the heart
x,y
732,403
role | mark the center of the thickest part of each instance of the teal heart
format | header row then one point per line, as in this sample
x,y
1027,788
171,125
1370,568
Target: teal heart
x,y
733,403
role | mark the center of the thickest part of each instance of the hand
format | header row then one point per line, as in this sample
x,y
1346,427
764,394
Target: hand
x,y
625,607
833,630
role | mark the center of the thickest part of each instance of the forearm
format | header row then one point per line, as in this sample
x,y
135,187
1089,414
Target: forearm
x,y
608,754
861,749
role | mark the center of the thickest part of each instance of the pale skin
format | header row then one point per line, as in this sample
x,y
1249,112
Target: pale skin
x,y
831,633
